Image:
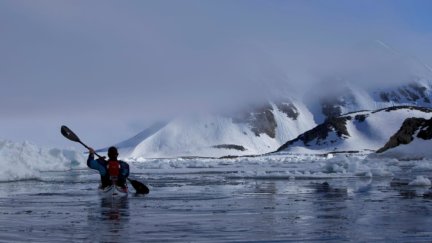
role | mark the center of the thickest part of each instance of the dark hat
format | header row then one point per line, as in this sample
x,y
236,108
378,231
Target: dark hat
x,y
112,152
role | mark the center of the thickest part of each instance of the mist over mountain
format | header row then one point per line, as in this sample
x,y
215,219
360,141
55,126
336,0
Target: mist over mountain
x,y
265,126
281,113
258,116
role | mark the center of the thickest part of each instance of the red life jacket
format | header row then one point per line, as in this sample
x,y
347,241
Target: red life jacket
x,y
113,169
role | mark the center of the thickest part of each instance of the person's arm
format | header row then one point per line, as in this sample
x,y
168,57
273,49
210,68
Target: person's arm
x,y
90,160
95,164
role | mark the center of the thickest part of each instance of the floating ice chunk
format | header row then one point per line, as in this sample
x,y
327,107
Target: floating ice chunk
x,y
381,172
420,181
422,167
25,160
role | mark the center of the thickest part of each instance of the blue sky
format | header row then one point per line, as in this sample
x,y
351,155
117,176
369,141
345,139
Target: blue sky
x,y
108,69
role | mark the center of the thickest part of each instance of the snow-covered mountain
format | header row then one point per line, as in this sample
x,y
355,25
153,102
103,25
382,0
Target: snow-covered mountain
x,y
335,98
363,130
128,145
260,131
412,140
264,128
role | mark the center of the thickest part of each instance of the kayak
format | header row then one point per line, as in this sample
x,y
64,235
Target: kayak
x,y
113,191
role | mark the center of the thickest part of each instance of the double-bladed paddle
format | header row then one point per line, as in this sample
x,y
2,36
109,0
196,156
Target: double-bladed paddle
x,y
67,133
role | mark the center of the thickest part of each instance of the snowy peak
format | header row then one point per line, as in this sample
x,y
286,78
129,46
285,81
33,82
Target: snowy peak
x,y
127,145
332,130
333,99
418,93
356,131
257,130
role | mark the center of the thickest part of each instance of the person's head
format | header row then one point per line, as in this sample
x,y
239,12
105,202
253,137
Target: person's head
x,y
112,152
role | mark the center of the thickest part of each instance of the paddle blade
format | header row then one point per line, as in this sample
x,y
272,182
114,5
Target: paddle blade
x,y
69,134
139,187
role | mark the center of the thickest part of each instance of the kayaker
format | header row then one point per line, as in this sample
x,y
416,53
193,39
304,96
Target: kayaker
x,y
113,170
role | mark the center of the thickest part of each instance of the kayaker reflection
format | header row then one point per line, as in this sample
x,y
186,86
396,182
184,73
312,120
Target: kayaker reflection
x,y
113,171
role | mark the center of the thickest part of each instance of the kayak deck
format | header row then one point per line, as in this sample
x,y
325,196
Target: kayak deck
x,y
113,191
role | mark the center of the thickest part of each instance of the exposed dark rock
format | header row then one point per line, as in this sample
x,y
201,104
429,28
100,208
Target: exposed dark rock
x,y
403,92
394,108
321,132
412,96
289,109
421,90
230,146
265,123
361,118
394,96
426,130
412,92
229,157
331,110
407,131
384,97
354,112
390,96
408,94
331,106
261,120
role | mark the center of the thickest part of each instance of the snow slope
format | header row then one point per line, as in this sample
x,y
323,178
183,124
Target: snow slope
x,y
128,145
417,149
25,160
214,136
365,130
412,141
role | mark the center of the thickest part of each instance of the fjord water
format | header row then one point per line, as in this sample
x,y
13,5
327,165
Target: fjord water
x,y
221,200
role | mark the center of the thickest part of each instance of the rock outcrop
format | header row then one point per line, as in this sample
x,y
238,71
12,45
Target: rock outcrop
x,y
410,129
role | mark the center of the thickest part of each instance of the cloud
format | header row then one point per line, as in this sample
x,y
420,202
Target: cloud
x,y
124,63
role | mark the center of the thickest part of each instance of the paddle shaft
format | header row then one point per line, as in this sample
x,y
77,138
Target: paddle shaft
x,y
83,144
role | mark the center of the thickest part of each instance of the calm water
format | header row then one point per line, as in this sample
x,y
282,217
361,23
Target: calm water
x,y
214,204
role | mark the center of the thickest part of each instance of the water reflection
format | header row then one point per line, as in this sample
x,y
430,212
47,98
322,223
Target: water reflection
x,y
111,219
265,187
325,190
114,209
329,204
409,192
